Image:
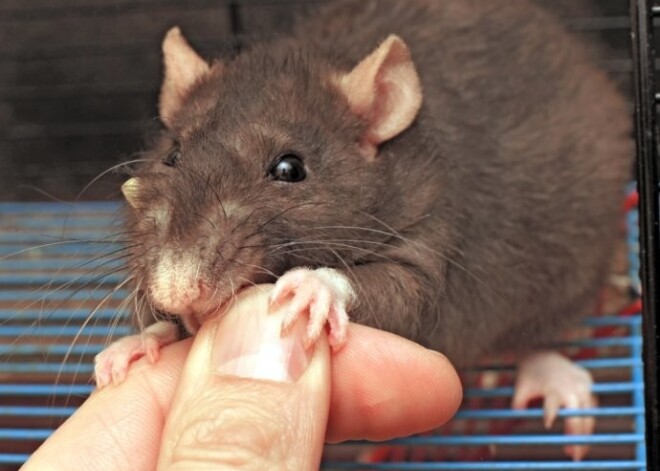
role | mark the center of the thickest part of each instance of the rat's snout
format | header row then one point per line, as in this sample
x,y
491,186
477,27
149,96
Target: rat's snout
x,y
176,285
202,257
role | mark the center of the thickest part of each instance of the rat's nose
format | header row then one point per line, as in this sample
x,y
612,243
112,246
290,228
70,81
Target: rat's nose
x,y
184,299
176,287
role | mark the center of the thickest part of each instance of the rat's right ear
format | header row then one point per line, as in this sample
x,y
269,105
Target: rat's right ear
x,y
131,190
183,69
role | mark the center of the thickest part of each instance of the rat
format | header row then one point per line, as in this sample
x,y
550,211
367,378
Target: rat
x,y
450,171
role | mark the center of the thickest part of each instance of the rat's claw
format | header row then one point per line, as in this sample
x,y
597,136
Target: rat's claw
x,y
285,287
561,383
319,314
323,294
290,317
338,321
303,298
112,364
551,405
579,425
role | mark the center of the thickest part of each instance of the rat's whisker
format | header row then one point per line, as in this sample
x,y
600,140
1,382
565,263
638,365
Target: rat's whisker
x,y
43,192
47,245
252,283
282,213
106,172
370,311
47,291
319,244
243,222
259,268
425,247
87,321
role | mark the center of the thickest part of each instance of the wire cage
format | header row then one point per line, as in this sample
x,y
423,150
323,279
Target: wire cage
x,y
53,92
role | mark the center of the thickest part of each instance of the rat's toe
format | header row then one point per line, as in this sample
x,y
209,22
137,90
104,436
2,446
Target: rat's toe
x,y
561,384
576,452
119,372
552,402
323,294
152,350
319,312
102,371
287,285
113,363
580,425
338,320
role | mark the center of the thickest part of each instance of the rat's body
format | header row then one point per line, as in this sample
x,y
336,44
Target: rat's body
x,y
482,222
512,175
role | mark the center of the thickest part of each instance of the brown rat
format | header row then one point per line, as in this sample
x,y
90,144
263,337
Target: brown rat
x,y
458,164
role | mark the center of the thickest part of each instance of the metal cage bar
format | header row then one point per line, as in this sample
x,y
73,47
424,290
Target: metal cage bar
x,y
642,14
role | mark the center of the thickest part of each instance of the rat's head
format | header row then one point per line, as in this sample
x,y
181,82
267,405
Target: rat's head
x,y
267,162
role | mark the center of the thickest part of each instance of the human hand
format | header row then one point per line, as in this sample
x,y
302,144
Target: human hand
x,y
191,411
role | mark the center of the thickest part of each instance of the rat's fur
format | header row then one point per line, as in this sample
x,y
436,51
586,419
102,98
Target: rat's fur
x,y
488,224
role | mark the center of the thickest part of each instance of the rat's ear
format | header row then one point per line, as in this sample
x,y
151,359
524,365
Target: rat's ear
x,y
385,90
183,69
131,190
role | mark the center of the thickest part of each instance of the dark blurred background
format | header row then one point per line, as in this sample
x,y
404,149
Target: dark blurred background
x,y
79,79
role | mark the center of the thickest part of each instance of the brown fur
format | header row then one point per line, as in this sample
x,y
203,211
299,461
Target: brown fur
x,y
487,225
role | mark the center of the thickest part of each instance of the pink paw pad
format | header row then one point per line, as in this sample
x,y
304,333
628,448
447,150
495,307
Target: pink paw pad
x,y
112,364
324,294
561,383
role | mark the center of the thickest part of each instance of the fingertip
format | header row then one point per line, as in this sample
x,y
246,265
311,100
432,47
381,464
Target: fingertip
x,y
390,386
453,384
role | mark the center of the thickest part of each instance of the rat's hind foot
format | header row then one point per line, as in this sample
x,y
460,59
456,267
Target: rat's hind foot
x,y
561,383
324,293
111,365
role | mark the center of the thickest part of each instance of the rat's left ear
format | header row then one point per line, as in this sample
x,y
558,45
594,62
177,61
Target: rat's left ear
x,y
385,90
183,69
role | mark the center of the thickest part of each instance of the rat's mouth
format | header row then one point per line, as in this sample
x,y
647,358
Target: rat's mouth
x,y
219,306
208,305
227,302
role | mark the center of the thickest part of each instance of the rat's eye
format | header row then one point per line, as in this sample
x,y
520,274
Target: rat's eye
x,y
173,157
288,168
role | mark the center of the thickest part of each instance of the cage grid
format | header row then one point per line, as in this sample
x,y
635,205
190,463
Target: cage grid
x,y
47,340
48,372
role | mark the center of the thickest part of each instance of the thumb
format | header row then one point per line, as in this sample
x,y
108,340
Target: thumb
x,y
248,398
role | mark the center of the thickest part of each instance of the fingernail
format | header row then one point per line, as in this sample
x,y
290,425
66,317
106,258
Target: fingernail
x,y
249,344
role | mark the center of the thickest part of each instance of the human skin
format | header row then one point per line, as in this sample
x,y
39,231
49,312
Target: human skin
x,y
383,386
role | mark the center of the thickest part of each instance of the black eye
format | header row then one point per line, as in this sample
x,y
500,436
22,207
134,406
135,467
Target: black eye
x,y
288,168
173,157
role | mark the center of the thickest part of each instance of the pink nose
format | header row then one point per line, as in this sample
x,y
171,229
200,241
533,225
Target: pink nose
x,y
182,298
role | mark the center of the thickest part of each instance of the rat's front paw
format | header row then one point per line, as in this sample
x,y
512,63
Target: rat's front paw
x,y
324,293
561,383
111,365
